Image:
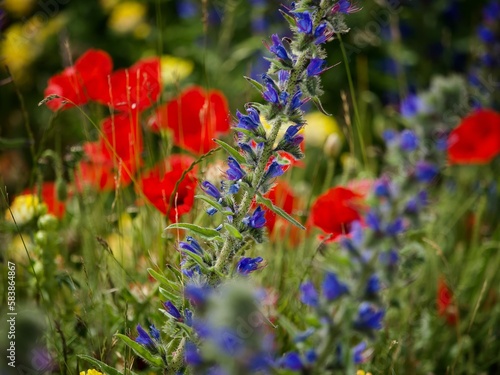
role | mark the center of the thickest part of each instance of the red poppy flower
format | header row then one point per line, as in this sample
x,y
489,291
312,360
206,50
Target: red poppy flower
x,y
135,88
116,154
49,197
476,140
159,184
335,210
445,303
87,79
282,196
195,117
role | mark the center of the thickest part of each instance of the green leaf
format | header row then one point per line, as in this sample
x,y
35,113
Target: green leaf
x,y
288,18
141,351
233,231
203,232
168,294
232,151
318,105
254,83
108,370
211,202
161,279
277,210
198,259
251,135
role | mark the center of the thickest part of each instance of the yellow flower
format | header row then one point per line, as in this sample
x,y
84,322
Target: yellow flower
x,y
24,209
18,7
91,372
361,372
174,69
126,17
24,42
319,127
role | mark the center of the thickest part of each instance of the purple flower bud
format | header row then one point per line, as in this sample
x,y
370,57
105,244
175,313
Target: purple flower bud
x,y
308,294
271,95
191,354
210,189
192,245
408,141
257,220
154,332
304,22
357,353
292,361
425,172
235,172
332,287
248,265
143,338
369,317
275,169
315,67
373,285
172,311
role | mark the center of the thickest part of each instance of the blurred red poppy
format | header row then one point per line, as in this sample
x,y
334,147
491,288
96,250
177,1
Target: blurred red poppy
x,y
283,196
159,183
335,210
445,303
135,88
195,117
476,140
116,154
86,80
48,194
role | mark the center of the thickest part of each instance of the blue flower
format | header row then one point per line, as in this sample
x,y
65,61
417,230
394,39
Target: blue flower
x,y
283,77
345,6
389,258
143,338
249,122
408,141
172,311
191,354
303,336
311,356
304,22
188,317
369,318
275,169
425,172
196,294
235,172
291,135
389,136
247,265
210,189
411,106
296,102
315,67
332,287
271,95
322,33
292,361
308,294
396,227
257,220
279,49
373,221
154,332
357,353
381,188
486,35
192,245
373,285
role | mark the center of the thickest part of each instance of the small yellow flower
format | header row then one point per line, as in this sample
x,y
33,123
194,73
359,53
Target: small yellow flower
x,y
24,209
127,16
319,127
174,69
91,372
18,7
361,372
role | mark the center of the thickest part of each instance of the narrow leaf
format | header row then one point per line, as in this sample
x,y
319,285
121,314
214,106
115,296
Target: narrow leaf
x,y
277,210
211,202
254,83
141,351
233,231
288,18
318,105
232,151
161,279
203,232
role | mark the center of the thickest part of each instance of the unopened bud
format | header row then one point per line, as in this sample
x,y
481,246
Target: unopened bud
x,y
332,146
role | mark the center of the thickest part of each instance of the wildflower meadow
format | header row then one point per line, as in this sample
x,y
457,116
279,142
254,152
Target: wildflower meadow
x,y
250,187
